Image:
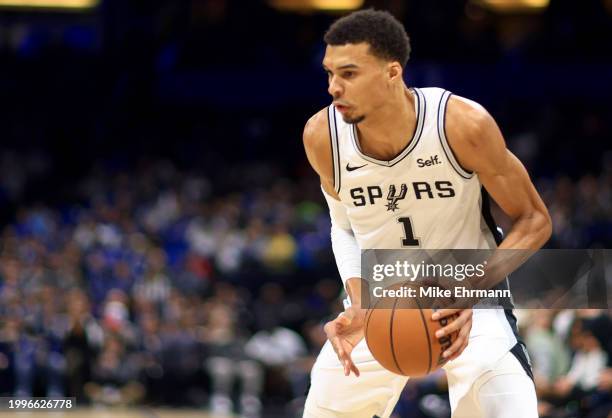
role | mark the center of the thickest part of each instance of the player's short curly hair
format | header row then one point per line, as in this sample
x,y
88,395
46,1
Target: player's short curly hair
x,y
383,32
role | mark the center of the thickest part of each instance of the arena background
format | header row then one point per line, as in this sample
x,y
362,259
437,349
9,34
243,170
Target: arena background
x,y
164,246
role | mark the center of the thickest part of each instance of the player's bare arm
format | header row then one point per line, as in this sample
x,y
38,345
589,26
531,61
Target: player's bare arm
x,y
318,151
346,330
480,147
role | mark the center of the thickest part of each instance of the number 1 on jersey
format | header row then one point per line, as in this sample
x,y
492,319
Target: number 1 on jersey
x,y
409,240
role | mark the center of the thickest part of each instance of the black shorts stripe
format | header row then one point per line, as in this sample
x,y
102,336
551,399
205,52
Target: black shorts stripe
x,y
520,352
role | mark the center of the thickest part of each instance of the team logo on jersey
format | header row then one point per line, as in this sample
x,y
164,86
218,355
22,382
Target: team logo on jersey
x,y
392,198
419,190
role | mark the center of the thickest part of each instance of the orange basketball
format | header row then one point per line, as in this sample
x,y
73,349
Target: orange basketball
x,y
401,336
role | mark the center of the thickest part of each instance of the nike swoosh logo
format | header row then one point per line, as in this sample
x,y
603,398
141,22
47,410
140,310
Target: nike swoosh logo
x,y
349,168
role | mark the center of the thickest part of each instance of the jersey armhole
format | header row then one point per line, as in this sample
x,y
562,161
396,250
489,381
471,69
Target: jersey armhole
x,y
450,155
335,149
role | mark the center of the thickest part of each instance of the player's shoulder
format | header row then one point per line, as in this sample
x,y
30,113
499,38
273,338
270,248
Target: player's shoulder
x,y
317,143
467,120
316,131
472,134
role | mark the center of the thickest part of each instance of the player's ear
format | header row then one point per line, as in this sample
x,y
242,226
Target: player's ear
x,y
395,71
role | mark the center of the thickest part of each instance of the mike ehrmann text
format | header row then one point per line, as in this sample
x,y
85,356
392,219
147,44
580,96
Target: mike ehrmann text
x,y
436,292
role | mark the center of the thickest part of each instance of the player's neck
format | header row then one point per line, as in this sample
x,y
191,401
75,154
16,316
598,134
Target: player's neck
x,y
386,132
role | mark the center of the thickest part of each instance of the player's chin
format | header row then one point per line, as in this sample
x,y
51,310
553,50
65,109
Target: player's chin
x,y
348,118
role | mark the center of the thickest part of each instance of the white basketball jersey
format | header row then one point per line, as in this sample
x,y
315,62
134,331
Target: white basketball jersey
x,y
422,198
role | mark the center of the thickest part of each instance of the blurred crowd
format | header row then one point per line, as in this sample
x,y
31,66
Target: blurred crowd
x,y
151,287
571,352
152,290
581,211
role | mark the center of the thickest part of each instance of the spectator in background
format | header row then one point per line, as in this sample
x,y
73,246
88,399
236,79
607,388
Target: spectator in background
x,y
277,348
227,363
602,399
53,327
115,317
181,350
25,347
587,365
84,337
549,356
115,376
271,305
256,242
154,286
149,354
280,251
194,277
299,372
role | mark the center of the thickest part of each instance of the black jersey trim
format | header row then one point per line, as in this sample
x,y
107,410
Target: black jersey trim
x,y
497,235
485,209
421,109
335,148
448,151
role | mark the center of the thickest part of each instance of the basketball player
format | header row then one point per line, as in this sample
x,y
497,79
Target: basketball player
x,y
451,155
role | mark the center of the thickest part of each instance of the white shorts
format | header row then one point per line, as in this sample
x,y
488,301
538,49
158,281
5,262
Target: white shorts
x,y
504,392
474,379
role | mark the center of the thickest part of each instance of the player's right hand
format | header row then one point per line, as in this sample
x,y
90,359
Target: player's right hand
x,y
344,333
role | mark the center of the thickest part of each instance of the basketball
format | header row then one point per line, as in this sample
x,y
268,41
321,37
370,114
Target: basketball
x,y
401,336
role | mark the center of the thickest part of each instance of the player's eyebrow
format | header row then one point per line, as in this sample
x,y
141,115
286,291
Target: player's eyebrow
x,y
345,66
342,67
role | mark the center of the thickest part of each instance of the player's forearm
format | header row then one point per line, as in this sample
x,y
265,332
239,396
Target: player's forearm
x,y
353,288
527,235
529,232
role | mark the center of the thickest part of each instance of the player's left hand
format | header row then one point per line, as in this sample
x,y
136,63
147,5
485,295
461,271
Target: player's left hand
x,y
462,323
344,333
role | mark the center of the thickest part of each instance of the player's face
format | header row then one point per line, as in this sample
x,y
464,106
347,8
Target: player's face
x,y
357,80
